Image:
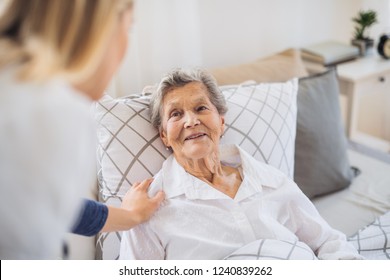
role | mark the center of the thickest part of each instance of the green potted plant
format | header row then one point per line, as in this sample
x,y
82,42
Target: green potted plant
x,y
363,21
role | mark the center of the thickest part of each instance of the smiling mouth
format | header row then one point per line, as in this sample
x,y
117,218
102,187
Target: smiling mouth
x,y
194,136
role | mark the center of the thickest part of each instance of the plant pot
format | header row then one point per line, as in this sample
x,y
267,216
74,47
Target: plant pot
x,y
364,45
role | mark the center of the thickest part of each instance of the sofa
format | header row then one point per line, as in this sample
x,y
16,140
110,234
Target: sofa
x,y
282,115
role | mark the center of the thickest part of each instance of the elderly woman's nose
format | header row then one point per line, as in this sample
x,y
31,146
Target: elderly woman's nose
x,y
191,119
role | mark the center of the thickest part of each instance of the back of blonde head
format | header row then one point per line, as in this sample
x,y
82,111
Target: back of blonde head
x,y
46,38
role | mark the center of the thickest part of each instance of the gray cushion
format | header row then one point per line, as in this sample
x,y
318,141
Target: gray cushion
x,y
321,162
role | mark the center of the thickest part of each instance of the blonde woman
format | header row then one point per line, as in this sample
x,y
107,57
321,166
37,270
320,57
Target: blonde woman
x,y
56,57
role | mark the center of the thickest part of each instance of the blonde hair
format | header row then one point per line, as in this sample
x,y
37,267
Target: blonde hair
x,y
45,38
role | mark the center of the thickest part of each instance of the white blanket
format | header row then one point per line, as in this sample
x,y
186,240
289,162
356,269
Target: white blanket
x,y
372,242
271,249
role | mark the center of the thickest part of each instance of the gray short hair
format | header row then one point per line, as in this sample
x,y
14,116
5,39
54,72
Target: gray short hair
x,y
179,78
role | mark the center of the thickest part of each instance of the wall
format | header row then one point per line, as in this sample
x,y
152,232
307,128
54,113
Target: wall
x,y
211,33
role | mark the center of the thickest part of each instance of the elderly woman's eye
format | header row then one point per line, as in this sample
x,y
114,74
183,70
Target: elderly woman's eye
x,y
174,114
201,108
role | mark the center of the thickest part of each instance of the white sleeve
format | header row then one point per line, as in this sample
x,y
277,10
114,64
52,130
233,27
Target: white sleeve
x,y
141,243
312,229
47,164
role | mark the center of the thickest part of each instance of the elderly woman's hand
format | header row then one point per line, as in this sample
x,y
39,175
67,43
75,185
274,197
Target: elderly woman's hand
x,y
138,202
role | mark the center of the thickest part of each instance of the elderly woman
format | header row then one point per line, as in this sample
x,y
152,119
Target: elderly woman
x,y
218,199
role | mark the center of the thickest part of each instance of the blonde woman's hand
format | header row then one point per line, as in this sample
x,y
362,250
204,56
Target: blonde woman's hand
x,y
138,202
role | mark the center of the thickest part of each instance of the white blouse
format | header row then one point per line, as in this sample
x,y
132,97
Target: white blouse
x,y
47,164
199,222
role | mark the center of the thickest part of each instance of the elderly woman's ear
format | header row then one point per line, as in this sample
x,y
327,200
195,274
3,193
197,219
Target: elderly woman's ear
x,y
223,125
163,137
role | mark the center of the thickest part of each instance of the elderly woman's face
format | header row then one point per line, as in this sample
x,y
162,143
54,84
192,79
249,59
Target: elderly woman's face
x,y
191,124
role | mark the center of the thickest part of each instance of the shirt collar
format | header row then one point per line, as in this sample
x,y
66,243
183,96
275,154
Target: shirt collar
x,y
257,175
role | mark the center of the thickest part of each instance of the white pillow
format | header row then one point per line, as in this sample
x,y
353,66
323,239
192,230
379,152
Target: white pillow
x,y
261,119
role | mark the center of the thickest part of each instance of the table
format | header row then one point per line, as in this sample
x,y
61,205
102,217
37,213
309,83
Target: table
x,y
368,79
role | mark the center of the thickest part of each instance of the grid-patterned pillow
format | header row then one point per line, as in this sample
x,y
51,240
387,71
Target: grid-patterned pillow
x,y
261,119
372,242
129,150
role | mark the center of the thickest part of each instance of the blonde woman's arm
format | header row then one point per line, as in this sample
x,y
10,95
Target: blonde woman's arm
x,y
137,207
